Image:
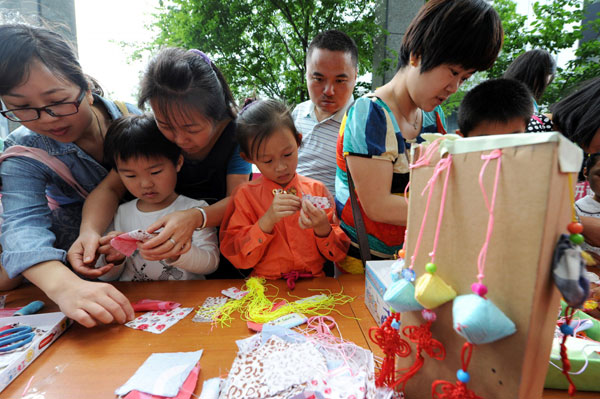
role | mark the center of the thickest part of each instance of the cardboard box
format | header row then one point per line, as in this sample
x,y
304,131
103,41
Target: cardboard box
x,y
377,279
47,326
532,209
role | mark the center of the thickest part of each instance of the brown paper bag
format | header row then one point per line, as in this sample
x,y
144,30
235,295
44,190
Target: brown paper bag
x,y
532,210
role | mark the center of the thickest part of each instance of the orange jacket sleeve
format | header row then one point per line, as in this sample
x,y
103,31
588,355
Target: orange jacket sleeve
x,y
242,240
335,246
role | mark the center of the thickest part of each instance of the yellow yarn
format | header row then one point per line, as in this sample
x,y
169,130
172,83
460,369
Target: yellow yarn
x,y
256,306
588,259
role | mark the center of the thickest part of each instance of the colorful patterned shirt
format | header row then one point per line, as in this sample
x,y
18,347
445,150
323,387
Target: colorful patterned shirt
x,y
370,130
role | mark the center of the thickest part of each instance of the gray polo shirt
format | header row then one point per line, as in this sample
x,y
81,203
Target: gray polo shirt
x,y
316,156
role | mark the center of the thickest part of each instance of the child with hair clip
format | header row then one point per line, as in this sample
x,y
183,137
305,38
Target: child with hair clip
x,y
283,224
147,164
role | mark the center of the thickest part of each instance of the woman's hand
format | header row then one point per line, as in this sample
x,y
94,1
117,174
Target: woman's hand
x,y
92,303
83,255
283,205
314,218
176,235
88,303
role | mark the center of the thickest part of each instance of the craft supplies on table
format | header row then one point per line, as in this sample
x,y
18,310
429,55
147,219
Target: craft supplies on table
x,y
45,329
158,321
258,307
377,280
163,374
281,363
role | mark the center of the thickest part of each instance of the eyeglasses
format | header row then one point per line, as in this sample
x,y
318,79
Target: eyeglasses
x,y
56,110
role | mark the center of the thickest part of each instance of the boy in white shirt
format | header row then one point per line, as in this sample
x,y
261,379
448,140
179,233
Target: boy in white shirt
x,y
147,164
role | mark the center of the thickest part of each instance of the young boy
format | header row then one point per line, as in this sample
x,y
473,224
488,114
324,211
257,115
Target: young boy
x,y
589,206
147,164
497,106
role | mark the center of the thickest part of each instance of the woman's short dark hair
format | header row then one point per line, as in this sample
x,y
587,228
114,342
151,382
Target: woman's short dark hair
x,y
137,136
258,121
461,32
185,81
21,44
578,115
533,68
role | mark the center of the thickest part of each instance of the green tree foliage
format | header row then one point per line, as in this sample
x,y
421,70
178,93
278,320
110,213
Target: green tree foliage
x,y
260,45
557,25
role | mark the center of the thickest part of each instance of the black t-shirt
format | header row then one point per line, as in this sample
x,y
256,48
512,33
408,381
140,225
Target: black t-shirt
x,y
207,179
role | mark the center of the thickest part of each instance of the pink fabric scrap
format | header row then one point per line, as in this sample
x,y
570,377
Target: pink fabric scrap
x,y
145,305
258,326
185,392
126,243
7,312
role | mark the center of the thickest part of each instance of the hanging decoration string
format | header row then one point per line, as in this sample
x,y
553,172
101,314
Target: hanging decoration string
x,y
443,164
424,341
479,288
458,390
389,340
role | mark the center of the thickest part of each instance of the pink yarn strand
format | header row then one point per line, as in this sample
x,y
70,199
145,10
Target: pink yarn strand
x,y
429,151
420,236
446,165
424,161
442,164
496,154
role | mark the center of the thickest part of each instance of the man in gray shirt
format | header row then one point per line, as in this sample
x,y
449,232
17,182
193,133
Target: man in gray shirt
x,y
331,72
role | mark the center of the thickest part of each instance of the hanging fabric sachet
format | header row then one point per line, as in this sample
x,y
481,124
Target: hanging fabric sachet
x,y
400,295
431,290
475,317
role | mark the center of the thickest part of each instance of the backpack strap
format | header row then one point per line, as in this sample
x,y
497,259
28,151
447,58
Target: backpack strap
x,y
50,161
359,223
122,107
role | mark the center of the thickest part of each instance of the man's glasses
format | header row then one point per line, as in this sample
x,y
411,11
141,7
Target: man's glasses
x,y
56,110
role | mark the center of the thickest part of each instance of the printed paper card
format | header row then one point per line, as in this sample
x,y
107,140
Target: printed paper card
x,y
158,321
234,293
319,202
206,312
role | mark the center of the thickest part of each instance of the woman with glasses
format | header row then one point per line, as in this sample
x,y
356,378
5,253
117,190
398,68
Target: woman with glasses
x,y
43,87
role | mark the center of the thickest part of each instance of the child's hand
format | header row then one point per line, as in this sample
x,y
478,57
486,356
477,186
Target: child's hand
x,y
315,218
283,205
110,254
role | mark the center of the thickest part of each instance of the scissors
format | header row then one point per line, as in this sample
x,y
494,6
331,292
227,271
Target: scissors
x,y
15,337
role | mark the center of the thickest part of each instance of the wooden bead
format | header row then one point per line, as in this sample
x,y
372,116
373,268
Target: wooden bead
x,y
430,268
576,239
575,228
